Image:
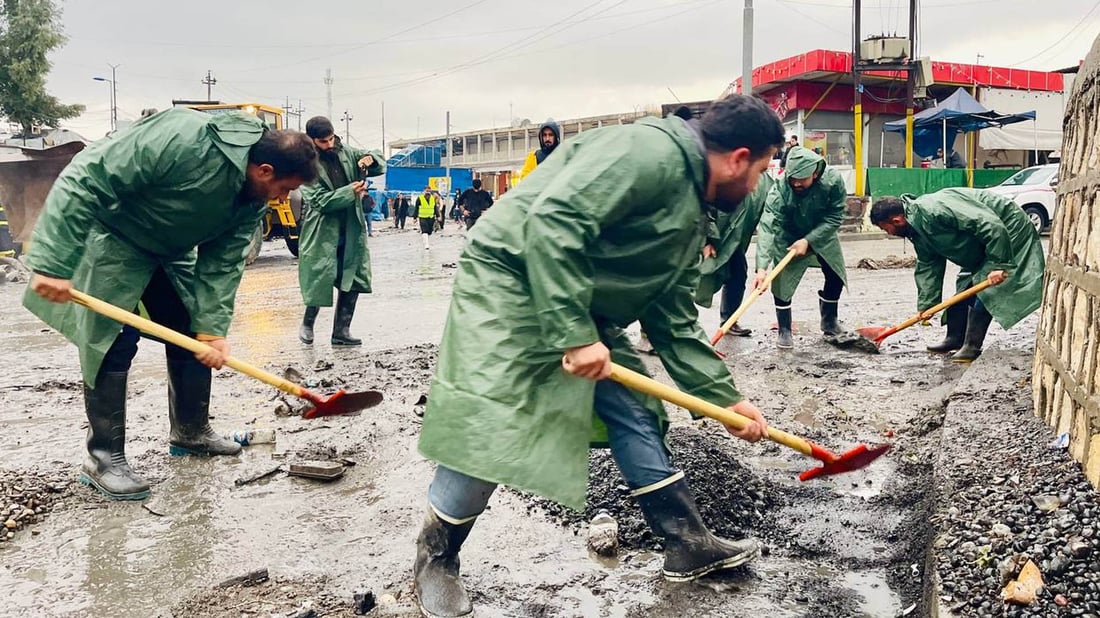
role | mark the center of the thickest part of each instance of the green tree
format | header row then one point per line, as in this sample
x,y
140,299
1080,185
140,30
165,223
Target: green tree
x,y
29,30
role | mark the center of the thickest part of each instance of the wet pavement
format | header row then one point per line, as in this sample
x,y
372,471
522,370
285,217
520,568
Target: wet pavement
x,y
841,546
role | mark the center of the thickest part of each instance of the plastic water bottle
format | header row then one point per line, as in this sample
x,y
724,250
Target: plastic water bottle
x,y
246,437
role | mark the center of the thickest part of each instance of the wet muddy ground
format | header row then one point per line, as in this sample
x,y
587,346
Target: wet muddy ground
x,y
841,546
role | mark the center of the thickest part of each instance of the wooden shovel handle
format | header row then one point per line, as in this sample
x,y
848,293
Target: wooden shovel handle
x,y
756,292
931,311
649,386
183,341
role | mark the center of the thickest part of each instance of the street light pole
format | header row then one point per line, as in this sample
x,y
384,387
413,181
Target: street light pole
x,y
347,118
113,95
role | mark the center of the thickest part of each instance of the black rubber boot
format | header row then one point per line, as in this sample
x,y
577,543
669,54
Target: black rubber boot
x,y
976,328
691,550
305,331
341,324
785,340
829,323
956,329
436,582
737,331
189,412
106,469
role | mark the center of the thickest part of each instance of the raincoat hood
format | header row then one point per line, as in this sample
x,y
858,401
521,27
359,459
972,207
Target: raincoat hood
x,y
803,162
556,128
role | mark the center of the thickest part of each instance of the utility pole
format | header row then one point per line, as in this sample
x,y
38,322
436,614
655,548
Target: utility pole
x,y
857,104
347,118
298,112
448,142
383,128
114,96
287,110
911,85
209,82
328,89
746,51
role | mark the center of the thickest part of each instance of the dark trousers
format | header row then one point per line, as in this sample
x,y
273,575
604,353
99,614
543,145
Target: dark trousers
x,y
164,306
470,221
734,288
399,221
834,285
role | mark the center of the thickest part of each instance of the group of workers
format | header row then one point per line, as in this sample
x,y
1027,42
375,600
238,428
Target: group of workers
x,y
623,224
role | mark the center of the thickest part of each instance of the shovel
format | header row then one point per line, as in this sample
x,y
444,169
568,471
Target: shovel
x,y
339,402
876,334
753,295
832,463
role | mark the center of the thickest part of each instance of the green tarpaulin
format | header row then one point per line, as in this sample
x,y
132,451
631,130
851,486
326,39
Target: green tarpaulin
x,y
920,181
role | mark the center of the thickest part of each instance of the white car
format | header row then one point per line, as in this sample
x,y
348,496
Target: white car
x,y
1033,188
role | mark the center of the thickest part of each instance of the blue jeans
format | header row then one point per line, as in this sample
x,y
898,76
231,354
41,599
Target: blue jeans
x,y
370,229
636,444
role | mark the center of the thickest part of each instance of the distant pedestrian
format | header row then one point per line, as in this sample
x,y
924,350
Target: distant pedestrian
x,y
474,202
549,139
401,211
427,211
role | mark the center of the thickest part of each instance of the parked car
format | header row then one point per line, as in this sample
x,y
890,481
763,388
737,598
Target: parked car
x,y
1033,188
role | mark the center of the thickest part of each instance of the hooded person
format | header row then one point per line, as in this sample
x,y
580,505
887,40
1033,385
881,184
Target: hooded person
x,y
333,246
606,234
160,214
989,237
803,213
549,140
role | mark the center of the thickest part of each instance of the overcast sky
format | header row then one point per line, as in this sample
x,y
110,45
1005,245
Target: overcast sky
x,y
486,59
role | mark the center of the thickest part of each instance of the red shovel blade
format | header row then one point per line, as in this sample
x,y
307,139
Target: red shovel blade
x,y
857,458
341,402
872,332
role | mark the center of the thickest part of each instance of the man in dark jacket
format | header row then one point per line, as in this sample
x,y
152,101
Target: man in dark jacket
x,y
474,202
401,211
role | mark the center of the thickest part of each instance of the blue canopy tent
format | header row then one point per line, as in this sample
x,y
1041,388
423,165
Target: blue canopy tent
x,y
937,126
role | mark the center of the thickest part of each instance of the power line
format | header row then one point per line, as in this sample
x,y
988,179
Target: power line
x,y
520,44
369,43
480,59
1060,40
790,7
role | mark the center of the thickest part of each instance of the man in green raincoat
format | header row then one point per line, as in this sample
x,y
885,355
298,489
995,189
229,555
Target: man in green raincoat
x,y
162,213
802,214
989,237
604,234
333,245
724,264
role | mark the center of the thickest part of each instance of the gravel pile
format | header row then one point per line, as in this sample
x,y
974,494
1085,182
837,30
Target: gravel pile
x,y
731,498
1014,494
26,498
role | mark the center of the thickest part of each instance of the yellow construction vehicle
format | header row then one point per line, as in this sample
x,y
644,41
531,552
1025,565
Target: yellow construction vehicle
x,y
282,216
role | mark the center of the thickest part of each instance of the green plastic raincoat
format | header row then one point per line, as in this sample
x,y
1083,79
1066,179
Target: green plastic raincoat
x,y
327,211
981,232
164,193
789,217
730,234
608,232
